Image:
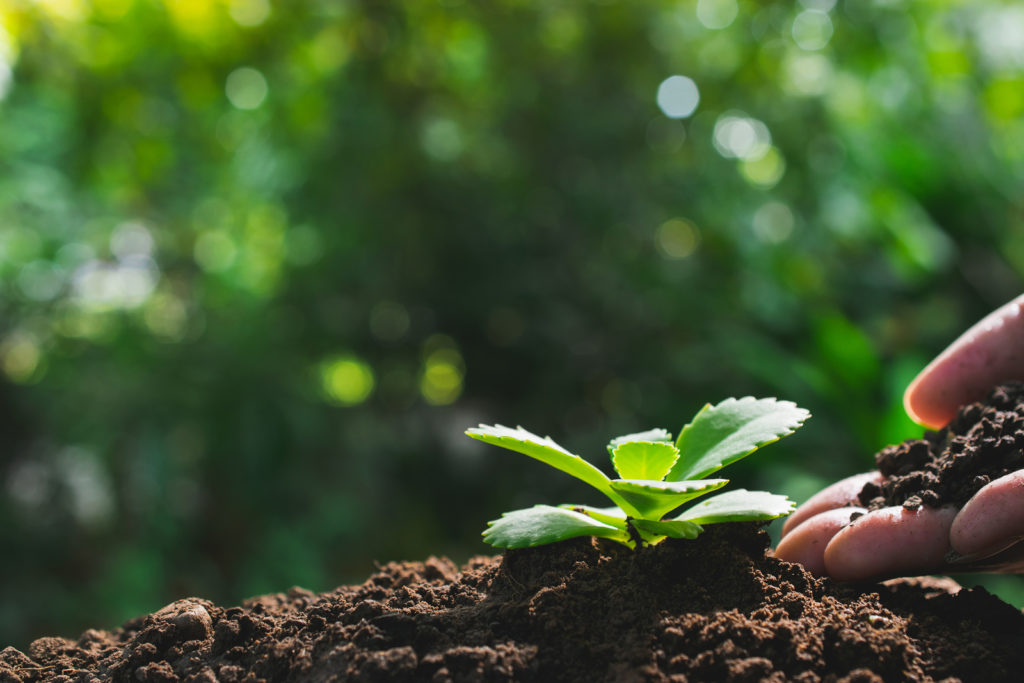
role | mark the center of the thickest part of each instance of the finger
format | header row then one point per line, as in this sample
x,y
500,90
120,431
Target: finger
x,y
807,542
1010,560
843,493
992,520
889,542
990,352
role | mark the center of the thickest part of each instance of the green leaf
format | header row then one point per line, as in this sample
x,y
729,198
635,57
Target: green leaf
x,y
649,435
544,524
653,499
644,459
672,528
612,515
722,434
545,450
738,506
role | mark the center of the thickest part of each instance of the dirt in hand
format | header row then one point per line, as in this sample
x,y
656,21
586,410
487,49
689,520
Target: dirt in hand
x,y
713,609
983,442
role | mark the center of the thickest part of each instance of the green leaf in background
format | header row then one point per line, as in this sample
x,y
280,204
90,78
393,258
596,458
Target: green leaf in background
x,y
650,435
655,498
544,524
644,459
738,506
722,434
545,450
671,528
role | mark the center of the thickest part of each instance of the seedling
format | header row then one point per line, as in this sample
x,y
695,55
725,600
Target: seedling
x,y
657,477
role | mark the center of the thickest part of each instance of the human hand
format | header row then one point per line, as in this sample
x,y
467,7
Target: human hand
x,y
984,535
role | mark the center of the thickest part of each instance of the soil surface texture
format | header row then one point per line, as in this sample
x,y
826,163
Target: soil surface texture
x,y
714,609
983,442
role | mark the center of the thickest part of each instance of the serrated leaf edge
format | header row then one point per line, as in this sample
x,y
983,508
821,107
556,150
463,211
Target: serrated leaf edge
x,y
790,428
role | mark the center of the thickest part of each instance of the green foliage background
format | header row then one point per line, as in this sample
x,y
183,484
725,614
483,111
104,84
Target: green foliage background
x,y
261,264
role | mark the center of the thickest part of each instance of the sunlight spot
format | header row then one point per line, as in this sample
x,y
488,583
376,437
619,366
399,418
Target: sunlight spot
x,y
773,222
40,280
738,136
19,357
72,10
166,317
215,251
99,285
249,12
807,74
717,14
441,382
678,97
246,88
88,485
764,171
677,238
347,380
999,36
5,78
131,240
820,5
441,139
812,30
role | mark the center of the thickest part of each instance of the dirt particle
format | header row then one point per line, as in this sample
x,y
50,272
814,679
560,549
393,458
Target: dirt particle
x,y
716,608
912,503
983,442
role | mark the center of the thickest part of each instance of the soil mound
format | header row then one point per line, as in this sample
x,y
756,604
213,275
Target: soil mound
x,y
713,609
983,442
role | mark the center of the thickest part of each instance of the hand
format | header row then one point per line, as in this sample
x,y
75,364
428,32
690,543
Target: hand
x,y
984,535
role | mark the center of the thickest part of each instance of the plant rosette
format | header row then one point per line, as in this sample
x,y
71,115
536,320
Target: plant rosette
x,y
657,477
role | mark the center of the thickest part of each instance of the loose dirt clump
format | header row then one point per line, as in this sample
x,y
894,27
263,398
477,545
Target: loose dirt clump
x,y
714,609
983,442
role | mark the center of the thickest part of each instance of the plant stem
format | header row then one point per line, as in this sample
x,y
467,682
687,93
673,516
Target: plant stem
x,y
634,534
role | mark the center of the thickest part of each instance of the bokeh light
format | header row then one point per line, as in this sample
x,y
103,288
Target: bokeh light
x,y
738,136
765,169
678,97
677,238
246,88
812,29
442,376
347,380
20,356
773,222
249,13
717,14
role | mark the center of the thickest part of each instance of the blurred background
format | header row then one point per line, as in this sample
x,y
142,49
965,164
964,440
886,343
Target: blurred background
x,y
261,263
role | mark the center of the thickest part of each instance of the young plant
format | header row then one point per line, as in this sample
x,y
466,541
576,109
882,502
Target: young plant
x,y
657,477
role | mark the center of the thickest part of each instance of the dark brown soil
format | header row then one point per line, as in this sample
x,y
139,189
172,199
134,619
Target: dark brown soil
x,y
714,609
983,442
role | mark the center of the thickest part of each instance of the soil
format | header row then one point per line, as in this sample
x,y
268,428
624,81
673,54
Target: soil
x,y
983,442
714,609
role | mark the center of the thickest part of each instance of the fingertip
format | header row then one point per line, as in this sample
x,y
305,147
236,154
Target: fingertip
x,y
986,354
923,402
841,494
806,543
992,519
892,541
